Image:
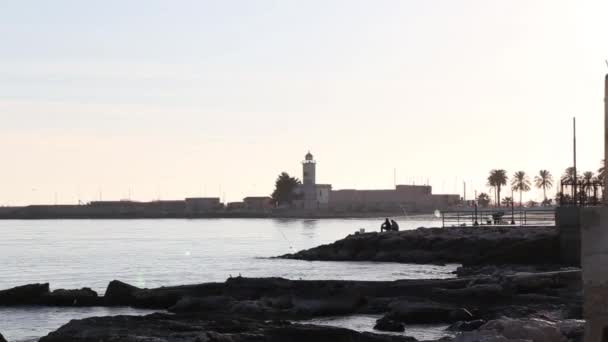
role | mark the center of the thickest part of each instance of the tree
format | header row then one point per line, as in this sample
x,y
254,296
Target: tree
x,y
507,201
531,204
544,180
569,174
496,179
601,172
284,189
521,183
483,199
588,180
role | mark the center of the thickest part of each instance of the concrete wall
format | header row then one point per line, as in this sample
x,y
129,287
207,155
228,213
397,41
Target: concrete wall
x,y
568,221
594,238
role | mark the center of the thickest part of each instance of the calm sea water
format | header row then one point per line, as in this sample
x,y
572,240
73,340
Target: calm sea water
x,y
151,253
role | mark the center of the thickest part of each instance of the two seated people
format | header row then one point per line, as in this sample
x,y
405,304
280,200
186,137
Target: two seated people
x,y
389,226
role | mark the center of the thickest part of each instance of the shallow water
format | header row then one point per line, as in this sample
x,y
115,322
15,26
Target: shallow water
x,y
151,253
363,323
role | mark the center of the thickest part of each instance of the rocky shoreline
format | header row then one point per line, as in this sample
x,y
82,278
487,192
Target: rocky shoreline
x,y
464,245
512,288
244,307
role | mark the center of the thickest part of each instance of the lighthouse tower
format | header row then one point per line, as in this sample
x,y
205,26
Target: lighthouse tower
x,y
309,182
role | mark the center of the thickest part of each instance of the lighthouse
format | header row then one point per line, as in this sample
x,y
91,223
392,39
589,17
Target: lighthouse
x,y
309,181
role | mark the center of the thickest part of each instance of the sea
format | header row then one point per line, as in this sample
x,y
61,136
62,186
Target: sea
x,y
153,253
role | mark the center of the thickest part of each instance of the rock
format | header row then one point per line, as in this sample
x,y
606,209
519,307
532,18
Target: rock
x,y
2,338
337,305
82,297
175,328
211,303
467,325
466,245
460,314
485,293
512,330
24,295
386,324
573,329
119,293
419,312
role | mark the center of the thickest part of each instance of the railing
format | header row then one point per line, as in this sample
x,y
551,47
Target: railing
x,y
507,216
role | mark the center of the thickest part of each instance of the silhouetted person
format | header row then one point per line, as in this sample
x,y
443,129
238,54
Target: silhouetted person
x,y
394,226
386,226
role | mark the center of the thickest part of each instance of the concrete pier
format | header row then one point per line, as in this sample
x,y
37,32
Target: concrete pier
x,y
594,256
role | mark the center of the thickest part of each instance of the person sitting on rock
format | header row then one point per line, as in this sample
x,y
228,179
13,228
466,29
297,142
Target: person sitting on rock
x,y
394,226
386,226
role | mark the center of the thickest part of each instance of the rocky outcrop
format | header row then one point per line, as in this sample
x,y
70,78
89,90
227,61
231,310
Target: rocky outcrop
x,y
165,328
466,245
40,294
387,324
514,330
24,295
81,297
2,338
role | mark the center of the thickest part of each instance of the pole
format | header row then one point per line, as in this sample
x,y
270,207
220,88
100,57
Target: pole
x,y
512,208
464,195
575,176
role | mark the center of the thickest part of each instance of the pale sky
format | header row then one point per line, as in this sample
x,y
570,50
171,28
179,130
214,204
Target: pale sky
x,y
169,99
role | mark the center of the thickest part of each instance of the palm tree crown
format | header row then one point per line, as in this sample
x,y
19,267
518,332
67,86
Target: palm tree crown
x,y
496,179
521,183
544,180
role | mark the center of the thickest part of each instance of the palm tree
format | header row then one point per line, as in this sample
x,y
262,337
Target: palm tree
x,y
521,183
496,179
507,201
544,180
483,199
601,172
588,180
569,174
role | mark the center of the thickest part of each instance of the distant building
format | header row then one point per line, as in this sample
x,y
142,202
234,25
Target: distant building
x,y
258,202
195,205
313,196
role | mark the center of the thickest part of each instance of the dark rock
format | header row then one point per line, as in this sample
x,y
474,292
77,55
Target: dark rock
x,y
2,338
387,324
467,325
419,312
467,245
119,293
338,305
174,328
82,297
211,303
24,295
460,314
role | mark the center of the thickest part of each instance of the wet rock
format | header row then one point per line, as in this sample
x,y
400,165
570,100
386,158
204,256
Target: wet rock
x,y
24,295
419,312
466,245
573,329
467,325
211,303
387,324
511,330
338,305
119,293
82,297
460,314
175,328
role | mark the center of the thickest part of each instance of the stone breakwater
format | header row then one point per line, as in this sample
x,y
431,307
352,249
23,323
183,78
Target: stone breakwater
x,y
255,309
465,245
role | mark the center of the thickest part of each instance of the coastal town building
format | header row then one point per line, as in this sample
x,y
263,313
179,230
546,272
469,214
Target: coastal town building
x,y
403,198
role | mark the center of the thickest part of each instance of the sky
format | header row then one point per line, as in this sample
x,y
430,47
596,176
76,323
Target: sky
x,y
170,99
